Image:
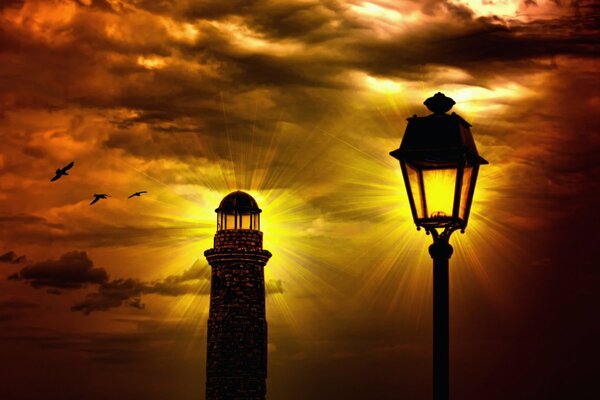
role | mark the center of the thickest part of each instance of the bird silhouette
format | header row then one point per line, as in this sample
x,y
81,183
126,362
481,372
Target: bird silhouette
x,y
138,194
62,171
98,197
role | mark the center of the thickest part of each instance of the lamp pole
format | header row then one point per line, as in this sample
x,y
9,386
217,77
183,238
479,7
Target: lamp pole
x,y
439,163
441,251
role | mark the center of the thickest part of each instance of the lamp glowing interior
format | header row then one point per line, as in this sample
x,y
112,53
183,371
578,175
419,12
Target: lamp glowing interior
x,y
464,191
440,195
438,186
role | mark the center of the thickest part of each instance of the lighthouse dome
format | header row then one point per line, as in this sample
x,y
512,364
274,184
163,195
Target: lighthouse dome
x,y
238,210
240,201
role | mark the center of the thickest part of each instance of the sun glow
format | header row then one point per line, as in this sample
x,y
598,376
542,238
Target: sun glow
x,y
473,101
244,38
386,86
182,32
151,62
500,8
289,222
376,11
397,265
341,214
385,22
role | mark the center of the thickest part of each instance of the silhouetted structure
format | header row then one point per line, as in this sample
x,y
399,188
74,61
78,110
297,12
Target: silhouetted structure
x,y
439,162
236,359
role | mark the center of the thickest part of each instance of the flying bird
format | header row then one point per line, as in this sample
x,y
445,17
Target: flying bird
x,y
62,171
98,197
138,194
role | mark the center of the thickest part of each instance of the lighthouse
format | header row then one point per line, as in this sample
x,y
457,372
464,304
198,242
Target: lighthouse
x,y
236,357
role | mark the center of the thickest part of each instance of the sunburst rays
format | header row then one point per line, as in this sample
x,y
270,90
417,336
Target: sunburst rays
x,y
335,216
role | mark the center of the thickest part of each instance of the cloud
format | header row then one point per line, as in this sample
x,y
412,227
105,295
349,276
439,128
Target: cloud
x,y
197,97
112,294
26,219
75,270
128,292
112,225
72,270
12,258
273,286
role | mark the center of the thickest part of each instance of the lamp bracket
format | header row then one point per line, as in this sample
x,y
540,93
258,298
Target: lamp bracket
x,y
444,236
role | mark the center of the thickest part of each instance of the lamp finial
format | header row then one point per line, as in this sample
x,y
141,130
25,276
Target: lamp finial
x,y
439,103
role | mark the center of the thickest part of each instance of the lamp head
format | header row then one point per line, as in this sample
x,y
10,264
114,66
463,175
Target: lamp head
x,y
439,162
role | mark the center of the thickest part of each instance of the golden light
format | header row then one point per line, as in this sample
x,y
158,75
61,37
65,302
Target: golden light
x,y
385,22
151,62
44,20
386,86
492,101
312,245
439,191
246,39
375,11
500,8
397,254
182,32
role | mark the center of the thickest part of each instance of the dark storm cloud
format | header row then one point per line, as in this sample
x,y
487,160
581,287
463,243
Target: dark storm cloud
x,y
464,41
473,46
113,294
309,21
72,270
12,258
288,72
218,9
187,112
166,94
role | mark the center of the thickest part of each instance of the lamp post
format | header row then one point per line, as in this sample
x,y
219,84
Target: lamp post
x,y
439,163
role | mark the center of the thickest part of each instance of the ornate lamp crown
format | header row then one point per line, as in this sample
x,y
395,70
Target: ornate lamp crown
x,y
439,104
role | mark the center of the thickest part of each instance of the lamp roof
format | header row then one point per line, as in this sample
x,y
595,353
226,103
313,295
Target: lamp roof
x,y
438,138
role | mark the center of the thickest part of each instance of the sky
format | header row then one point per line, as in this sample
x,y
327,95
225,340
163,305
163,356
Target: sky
x,y
297,102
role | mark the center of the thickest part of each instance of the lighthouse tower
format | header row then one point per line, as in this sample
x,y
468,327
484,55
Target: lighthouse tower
x,y
236,359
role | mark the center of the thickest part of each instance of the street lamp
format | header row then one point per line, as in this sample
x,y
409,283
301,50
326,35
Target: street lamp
x,y
439,163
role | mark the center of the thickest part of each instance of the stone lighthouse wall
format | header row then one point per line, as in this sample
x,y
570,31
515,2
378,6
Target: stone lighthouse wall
x,y
236,366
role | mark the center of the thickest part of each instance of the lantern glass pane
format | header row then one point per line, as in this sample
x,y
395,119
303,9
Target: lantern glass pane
x,y
245,221
464,192
219,219
230,221
439,186
256,223
415,187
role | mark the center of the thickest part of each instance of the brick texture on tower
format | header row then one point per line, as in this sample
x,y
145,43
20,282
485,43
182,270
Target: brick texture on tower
x,y
236,367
